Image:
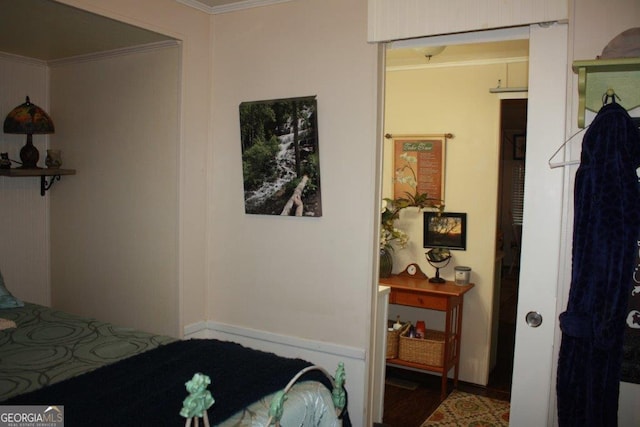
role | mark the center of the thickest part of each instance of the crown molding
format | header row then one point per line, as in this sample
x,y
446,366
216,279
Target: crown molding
x,y
231,7
23,59
114,53
197,5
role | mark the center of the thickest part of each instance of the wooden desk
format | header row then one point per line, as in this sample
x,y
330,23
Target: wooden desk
x,y
417,291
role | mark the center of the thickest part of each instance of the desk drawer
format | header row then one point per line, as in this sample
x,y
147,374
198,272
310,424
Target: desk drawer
x,y
416,299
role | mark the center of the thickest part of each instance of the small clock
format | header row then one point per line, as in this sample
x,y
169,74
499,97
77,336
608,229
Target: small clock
x,y
413,270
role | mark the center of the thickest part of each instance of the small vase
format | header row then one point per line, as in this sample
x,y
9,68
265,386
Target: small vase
x,y
5,163
54,159
386,263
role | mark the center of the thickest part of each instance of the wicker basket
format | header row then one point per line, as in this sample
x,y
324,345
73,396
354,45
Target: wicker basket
x,y
426,351
393,338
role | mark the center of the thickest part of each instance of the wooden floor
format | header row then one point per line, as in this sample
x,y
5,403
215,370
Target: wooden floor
x,y
406,407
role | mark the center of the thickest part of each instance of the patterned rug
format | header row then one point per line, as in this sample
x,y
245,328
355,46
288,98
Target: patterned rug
x,y
462,409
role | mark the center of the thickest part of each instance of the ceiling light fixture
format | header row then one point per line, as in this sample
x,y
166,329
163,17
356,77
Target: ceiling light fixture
x,y
429,51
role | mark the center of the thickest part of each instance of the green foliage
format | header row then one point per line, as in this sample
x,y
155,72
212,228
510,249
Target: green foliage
x,y
257,121
290,186
311,168
259,163
419,200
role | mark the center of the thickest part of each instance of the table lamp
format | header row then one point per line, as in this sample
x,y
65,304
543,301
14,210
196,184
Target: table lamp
x,y
28,119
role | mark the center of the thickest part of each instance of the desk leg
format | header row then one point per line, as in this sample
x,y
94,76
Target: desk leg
x,y
458,333
443,387
447,351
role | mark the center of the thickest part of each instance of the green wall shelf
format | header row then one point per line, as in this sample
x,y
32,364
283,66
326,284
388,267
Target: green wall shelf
x,y
599,77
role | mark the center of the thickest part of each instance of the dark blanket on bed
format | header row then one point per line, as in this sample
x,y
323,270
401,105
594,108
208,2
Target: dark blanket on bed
x,y
149,388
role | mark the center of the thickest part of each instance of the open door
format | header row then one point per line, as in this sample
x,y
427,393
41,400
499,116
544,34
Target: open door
x,y
533,389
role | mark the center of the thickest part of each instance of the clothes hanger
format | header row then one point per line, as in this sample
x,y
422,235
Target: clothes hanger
x,y
568,162
608,97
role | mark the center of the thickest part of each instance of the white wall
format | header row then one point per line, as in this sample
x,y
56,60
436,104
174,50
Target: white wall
x,y
192,27
24,256
30,264
301,277
114,233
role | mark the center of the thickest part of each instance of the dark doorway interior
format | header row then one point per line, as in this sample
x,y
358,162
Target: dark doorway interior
x,y
513,132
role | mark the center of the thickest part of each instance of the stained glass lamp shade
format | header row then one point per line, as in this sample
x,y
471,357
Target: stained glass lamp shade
x,y
28,119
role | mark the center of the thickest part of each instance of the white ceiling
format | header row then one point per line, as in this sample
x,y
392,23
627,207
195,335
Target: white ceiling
x,y
411,57
47,30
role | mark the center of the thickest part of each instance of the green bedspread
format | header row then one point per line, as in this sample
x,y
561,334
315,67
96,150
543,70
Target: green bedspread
x,y
49,345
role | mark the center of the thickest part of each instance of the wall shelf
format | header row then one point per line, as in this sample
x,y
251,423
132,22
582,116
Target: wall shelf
x,y
596,77
54,174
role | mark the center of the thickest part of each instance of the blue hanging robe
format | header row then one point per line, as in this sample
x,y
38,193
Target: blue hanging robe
x,y
606,227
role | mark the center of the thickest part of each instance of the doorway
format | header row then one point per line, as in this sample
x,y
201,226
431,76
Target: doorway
x,y
451,92
412,396
532,402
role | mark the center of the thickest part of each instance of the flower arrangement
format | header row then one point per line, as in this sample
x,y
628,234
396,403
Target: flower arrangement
x,y
388,231
391,207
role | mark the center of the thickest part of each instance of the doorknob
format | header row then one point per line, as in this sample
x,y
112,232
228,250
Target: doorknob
x,y
534,319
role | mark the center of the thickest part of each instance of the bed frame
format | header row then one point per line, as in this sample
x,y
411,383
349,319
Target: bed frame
x,y
195,405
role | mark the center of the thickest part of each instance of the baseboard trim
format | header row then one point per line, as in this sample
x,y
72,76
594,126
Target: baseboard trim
x,y
196,330
212,329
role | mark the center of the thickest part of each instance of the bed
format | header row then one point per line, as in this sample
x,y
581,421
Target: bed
x,y
107,375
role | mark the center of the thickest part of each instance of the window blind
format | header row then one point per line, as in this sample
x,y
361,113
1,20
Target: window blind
x,y
517,193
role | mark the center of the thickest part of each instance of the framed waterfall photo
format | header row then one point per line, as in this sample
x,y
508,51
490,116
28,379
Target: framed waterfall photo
x,y
280,157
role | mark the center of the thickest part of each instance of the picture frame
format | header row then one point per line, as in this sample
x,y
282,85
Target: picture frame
x,y
445,230
519,146
281,157
419,165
